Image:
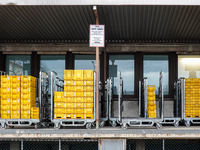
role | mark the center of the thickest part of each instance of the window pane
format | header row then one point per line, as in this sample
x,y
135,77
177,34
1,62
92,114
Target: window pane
x,y
55,63
125,64
85,62
153,65
189,66
18,64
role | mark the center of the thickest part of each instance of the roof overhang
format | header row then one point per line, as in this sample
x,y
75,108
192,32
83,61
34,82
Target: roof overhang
x,y
99,2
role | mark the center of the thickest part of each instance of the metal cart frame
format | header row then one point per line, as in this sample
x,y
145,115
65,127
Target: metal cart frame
x,y
68,122
140,121
177,118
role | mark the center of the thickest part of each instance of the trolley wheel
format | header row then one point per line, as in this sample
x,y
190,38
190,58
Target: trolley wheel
x,y
88,126
102,123
176,124
113,123
187,123
36,126
124,126
57,127
3,126
11,127
158,126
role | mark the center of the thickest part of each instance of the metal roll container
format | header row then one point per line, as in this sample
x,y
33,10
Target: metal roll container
x,y
42,86
181,96
68,122
177,106
144,121
103,113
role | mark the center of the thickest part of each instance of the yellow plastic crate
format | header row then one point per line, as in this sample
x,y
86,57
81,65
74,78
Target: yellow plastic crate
x,y
78,100
5,106
88,94
152,108
70,116
152,115
70,105
88,105
78,83
15,90
35,110
88,88
79,105
151,88
88,99
68,88
196,79
88,75
5,79
28,84
89,83
150,94
59,94
15,79
68,74
5,96
5,116
15,115
5,111
78,74
6,90
79,111
35,116
189,80
15,85
15,101
15,106
151,111
89,116
59,100
70,111
28,100
88,110
59,110
6,101
68,94
27,106
28,90
59,105
68,82
59,116
28,96
151,98
78,94
78,88
69,100
79,116
28,78
25,116
15,95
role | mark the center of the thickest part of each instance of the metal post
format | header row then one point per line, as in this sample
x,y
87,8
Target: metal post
x,y
22,144
163,144
97,73
59,144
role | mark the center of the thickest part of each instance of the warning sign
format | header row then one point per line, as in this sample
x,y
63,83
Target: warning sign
x,y
97,36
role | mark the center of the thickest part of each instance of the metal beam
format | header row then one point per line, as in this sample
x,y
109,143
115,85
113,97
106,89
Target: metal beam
x,y
99,2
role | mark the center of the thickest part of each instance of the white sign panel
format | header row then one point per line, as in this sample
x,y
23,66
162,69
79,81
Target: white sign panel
x,y
97,36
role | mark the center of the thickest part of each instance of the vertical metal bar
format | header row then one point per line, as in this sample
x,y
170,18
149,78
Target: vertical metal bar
x,y
139,98
145,98
52,91
97,87
163,144
40,94
59,144
22,144
162,96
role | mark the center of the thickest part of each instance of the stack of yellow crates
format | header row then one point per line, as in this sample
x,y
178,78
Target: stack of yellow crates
x,y
18,97
5,97
15,97
151,101
28,96
76,102
192,97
